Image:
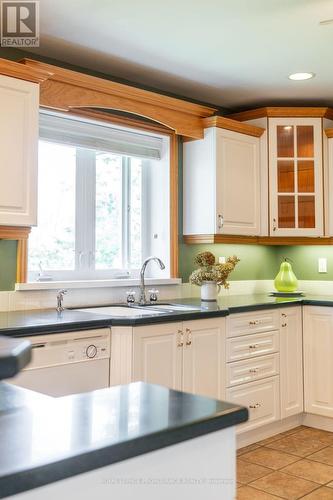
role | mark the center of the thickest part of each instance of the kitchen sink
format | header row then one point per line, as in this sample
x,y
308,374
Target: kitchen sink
x,y
123,311
137,310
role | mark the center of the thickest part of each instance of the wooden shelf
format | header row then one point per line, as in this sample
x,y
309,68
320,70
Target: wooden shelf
x,y
255,240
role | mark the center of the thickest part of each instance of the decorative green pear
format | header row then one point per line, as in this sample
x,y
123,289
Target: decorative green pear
x,y
286,280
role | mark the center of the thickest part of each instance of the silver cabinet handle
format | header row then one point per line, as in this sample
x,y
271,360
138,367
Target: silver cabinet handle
x,y
220,221
189,337
180,342
255,406
274,225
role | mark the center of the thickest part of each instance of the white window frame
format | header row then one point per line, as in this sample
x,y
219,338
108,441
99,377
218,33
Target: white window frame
x,y
85,223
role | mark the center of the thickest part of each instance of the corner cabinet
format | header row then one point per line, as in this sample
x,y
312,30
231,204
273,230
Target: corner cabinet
x,y
19,104
291,361
318,355
295,175
222,183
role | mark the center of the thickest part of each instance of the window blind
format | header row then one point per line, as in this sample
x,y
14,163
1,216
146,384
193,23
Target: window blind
x,y
56,128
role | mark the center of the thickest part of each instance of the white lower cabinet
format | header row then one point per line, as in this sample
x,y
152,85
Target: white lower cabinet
x,y
291,358
318,360
186,356
262,399
157,354
203,358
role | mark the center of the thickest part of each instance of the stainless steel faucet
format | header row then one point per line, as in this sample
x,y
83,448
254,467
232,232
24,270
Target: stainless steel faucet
x,y
142,299
60,298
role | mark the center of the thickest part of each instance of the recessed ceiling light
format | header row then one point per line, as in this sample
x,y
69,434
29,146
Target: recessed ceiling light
x,y
301,76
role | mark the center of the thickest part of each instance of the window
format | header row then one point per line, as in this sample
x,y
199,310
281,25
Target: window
x,y
103,201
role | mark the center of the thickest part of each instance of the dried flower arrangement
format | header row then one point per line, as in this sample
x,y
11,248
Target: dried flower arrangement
x,y
209,270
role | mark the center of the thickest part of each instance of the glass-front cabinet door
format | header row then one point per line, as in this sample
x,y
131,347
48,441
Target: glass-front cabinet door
x,y
295,175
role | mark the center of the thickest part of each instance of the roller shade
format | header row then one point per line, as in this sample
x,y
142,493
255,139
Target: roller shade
x,y
90,135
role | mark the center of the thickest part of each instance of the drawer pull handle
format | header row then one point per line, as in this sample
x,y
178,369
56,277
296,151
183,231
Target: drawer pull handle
x,y
181,339
255,406
284,325
253,346
253,323
254,370
189,337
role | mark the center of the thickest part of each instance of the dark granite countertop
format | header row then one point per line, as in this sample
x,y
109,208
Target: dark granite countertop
x,y
35,322
47,439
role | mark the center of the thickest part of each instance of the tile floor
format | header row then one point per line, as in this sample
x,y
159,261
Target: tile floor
x,y
295,464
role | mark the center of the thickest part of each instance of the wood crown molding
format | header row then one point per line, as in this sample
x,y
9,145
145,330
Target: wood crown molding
x,y
255,240
233,125
14,232
17,70
329,133
67,89
283,112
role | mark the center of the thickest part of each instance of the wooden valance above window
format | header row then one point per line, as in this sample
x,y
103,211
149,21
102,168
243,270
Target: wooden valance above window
x,y
67,90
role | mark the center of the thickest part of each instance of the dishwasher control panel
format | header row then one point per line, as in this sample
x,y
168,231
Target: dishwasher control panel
x,y
72,347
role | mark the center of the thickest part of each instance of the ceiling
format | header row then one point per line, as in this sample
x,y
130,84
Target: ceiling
x,y
233,53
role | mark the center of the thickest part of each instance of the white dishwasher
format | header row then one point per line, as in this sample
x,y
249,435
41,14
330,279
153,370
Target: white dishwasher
x,y
67,363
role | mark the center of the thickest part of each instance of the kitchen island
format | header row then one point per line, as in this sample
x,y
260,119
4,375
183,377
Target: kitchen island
x,y
138,439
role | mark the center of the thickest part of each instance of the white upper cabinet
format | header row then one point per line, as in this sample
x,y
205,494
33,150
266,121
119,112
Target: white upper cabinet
x,y
222,184
19,105
295,176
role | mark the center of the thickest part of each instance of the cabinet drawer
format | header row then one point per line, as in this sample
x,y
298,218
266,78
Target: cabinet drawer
x,y
251,346
249,370
261,398
253,322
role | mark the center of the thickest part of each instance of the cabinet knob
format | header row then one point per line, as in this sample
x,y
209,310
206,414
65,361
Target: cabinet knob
x,y
180,342
189,337
255,406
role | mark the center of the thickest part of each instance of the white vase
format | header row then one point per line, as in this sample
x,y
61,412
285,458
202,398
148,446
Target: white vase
x,y
209,291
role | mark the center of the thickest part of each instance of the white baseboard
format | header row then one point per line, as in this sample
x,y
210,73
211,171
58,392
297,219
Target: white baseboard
x,y
255,435
325,423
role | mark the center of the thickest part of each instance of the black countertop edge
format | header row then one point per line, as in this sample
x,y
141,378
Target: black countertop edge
x,y
25,480
258,307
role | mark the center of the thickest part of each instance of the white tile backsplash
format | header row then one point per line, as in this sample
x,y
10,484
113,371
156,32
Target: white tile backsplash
x,y
76,297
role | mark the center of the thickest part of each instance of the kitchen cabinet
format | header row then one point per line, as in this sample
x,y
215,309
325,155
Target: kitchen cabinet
x,y
291,359
186,356
318,355
203,358
295,173
252,368
158,354
19,104
222,184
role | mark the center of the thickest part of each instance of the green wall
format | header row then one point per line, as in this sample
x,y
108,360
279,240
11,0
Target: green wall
x,y
305,261
8,251
256,262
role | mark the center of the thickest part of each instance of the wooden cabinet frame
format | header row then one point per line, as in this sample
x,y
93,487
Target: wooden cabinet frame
x,y
21,234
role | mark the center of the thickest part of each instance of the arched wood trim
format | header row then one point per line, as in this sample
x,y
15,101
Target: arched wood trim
x,y
67,89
